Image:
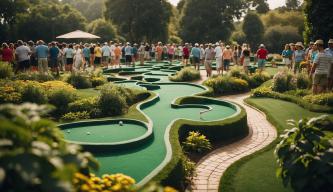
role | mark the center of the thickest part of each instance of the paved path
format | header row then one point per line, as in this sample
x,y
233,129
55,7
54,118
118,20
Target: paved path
x,y
211,168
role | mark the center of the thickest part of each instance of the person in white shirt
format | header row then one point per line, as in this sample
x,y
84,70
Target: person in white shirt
x,y
106,53
218,57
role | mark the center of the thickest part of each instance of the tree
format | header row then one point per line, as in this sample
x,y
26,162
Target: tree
x,y
261,6
318,20
105,29
140,20
46,21
91,9
253,29
277,36
209,20
293,4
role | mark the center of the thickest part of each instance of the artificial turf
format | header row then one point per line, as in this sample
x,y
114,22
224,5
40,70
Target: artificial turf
x,y
257,172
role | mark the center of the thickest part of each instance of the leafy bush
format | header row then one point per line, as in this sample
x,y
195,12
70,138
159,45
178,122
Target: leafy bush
x,y
86,104
262,92
75,116
6,70
114,183
196,142
57,85
186,74
9,94
298,92
283,81
258,78
79,81
98,81
111,102
61,99
189,169
225,84
302,81
34,77
305,156
34,94
33,154
320,99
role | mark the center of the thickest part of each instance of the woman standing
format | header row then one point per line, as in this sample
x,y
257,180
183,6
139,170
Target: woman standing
x,y
69,54
299,56
7,54
245,59
78,57
287,55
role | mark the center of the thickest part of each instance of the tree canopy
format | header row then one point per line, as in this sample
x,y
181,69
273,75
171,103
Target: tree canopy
x,y
209,20
253,29
139,20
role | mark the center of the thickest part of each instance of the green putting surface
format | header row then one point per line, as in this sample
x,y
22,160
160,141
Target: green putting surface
x,y
105,133
142,161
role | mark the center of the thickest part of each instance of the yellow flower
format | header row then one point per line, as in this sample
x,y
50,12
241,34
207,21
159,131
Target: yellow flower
x,y
169,189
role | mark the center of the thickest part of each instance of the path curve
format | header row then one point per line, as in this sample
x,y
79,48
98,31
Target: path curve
x,y
211,168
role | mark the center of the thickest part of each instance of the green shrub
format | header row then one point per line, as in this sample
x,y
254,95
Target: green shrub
x,y
302,81
98,81
189,169
258,78
89,105
225,85
283,81
320,99
6,70
304,156
9,92
79,81
262,92
196,142
61,99
34,94
111,102
298,92
75,116
33,154
34,77
186,74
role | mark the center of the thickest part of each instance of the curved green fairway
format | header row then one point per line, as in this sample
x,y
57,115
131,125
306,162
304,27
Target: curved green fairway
x,y
141,161
258,172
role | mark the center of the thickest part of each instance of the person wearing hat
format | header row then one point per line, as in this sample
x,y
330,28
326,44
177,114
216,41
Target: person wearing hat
x,y
42,53
209,56
299,56
128,54
218,57
287,55
226,57
196,52
106,53
262,54
329,49
320,70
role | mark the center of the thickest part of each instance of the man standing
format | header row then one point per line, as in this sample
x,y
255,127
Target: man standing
x,y
54,52
195,52
128,54
186,54
42,52
329,51
141,52
113,56
209,56
321,69
262,56
218,57
106,53
22,54
226,57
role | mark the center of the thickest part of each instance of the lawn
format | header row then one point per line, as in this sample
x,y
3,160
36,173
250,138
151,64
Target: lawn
x,y
257,172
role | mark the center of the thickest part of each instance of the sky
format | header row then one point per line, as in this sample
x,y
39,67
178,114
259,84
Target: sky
x,y
272,3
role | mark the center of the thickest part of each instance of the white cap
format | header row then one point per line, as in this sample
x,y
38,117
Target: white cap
x,y
262,45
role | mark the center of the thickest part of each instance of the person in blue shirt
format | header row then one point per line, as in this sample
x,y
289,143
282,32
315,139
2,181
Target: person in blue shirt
x,y
42,52
86,54
135,54
299,56
128,54
54,53
195,52
287,55
329,49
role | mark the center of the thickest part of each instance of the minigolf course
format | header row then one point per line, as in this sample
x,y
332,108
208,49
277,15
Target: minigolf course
x,y
142,149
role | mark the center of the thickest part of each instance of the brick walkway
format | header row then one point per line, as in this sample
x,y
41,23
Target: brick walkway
x,y
211,168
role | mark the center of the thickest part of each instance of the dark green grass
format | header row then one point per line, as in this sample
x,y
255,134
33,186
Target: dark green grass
x,y
257,172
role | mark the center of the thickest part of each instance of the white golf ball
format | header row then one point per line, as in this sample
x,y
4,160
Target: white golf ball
x,y
120,123
68,131
88,133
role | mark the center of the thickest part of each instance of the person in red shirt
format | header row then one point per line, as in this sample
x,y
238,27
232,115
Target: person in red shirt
x,y
262,56
7,53
186,54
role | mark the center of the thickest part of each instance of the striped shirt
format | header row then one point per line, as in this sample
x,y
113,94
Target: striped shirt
x,y
324,63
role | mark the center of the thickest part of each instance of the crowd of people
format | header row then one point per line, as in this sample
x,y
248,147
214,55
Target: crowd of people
x,y
40,56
